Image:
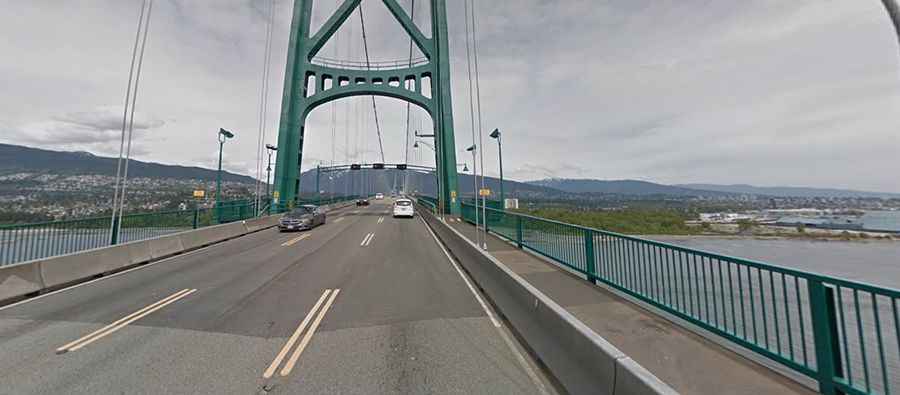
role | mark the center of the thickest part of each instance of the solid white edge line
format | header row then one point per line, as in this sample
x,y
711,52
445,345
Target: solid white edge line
x,y
463,276
509,342
293,339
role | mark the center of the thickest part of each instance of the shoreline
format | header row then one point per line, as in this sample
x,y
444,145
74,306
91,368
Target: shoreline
x,y
821,238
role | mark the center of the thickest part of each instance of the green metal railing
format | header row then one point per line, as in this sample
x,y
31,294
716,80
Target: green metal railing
x,y
25,242
318,201
429,202
843,334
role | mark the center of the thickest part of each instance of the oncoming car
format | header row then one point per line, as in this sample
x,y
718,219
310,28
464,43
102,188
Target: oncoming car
x,y
303,217
404,208
379,196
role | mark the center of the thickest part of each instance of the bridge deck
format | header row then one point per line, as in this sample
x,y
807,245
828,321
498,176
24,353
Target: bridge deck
x,y
686,361
404,321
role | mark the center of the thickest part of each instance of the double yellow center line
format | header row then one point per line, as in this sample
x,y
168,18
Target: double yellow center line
x,y
295,240
121,323
330,295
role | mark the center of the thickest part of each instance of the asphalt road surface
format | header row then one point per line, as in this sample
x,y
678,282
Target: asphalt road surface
x,y
364,304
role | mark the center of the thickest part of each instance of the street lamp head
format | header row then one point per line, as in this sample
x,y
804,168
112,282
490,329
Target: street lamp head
x,y
471,149
271,147
495,134
226,133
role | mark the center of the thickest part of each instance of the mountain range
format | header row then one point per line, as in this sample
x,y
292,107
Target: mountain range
x,y
21,159
790,191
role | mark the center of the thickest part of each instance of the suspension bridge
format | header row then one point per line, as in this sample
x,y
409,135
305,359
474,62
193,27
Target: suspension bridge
x,y
218,301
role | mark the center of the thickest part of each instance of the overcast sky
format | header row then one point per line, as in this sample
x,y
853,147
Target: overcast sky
x,y
766,92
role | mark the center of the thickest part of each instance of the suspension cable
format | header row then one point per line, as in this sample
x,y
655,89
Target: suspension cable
x,y
263,107
137,80
480,123
362,24
472,118
337,42
893,11
413,18
115,203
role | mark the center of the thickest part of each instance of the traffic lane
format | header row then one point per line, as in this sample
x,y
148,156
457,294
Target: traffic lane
x,y
110,297
405,322
401,276
141,359
274,308
137,347
239,265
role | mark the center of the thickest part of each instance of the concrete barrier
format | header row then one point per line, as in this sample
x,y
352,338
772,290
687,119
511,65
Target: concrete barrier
x,y
212,234
256,224
162,247
24,278
70,268
19,280
634,379
580,359
140,252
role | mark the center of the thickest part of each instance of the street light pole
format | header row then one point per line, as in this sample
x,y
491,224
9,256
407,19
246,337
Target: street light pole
x,y
271,148
496,134
223,135
318,191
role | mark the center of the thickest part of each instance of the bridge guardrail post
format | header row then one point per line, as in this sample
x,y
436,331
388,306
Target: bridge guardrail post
x,y
589,257
825,335
196,217
519,231
114,238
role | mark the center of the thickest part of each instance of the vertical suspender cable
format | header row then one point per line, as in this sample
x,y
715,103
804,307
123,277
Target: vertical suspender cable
x,y
137,80
406,152
115,203
337,41
362,24
263,106
472,119
480,125
348,175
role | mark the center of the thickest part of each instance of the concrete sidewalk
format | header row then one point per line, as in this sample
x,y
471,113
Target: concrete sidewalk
x,y
683,359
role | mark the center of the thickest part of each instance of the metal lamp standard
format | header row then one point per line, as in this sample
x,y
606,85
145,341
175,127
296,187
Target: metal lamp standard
x,y
223,135
271,149
496,135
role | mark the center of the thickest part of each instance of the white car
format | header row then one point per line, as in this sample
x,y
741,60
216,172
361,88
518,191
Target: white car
x,y
404,208
379,196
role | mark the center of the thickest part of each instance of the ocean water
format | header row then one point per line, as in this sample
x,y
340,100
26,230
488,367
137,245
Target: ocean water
x,y
874,262
882,220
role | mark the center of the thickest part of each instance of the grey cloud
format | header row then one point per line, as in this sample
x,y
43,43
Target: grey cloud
x,y
686,91
107,119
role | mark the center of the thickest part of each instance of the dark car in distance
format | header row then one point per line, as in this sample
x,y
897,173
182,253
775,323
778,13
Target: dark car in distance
x,y
362,202
301,218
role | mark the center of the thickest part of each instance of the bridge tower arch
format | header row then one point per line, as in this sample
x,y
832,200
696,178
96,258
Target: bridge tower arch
x,y
335,81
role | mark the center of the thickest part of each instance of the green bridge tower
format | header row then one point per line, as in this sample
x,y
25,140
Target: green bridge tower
x,y
309,83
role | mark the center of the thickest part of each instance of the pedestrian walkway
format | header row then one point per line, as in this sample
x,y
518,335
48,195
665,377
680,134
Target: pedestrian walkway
x,y
688,362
